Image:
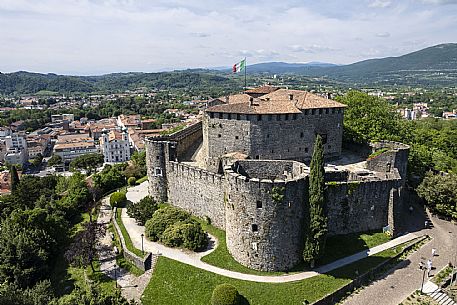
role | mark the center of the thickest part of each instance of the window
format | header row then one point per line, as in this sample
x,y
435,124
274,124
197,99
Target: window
x,y
238,116
313,111
278,117
236,137
324,138
302,134
269,117
257,157
287,116
157,171
219,135
259,117
306,149
306,111
211,115
259,204
220,115
255,228
321,111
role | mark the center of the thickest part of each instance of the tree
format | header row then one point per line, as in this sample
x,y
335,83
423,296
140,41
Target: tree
x,y
37,160
14,178
162,219
369,118
87,162
440,193
83,250
143,210
55,160
117,199
317,226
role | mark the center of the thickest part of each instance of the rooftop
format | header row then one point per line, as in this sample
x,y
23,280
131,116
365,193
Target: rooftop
x,y
278,101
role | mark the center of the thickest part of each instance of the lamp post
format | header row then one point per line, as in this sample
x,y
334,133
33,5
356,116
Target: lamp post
x,y
142,247
424,268
115,274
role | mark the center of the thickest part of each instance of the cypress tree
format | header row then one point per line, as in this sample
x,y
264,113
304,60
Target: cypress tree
x,y
317,226
14,178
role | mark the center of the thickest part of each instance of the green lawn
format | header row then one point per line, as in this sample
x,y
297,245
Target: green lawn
x,y
177,283
337,247
125,234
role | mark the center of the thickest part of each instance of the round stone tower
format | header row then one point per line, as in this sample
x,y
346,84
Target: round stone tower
x,y
265,216
156,156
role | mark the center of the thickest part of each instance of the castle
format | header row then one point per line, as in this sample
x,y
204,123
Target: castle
x,y
244,168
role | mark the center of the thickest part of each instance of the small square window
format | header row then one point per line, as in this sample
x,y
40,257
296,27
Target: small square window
x,y
219,135
302,134
157,171
259,204
221,115
236,137
306,149
321,111
287,117
255,228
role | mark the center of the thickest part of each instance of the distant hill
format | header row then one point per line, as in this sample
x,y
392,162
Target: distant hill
x,y
283,67
31,83
433,66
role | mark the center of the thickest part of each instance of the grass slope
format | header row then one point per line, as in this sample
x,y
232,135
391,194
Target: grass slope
x,y
177,283
125,234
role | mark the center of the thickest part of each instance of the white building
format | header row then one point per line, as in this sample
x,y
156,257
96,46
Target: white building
x,y
62,117
16,140
115,146
72,146
16,156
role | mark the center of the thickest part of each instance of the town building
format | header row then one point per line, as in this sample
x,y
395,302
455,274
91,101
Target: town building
x,y
115,146
71,146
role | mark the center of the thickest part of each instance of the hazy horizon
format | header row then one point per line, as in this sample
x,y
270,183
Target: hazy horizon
x,y
95,37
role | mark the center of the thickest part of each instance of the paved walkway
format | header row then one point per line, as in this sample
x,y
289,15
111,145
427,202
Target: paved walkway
x,y
132,287
191,258
397,284
437,294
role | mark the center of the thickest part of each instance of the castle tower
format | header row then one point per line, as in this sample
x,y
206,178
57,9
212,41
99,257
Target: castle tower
x,y
156,156
265,216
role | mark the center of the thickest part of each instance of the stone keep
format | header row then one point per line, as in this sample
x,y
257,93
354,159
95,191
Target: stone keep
x,y
260,196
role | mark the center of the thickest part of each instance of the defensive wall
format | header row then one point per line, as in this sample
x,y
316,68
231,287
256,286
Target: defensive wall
x,y
263,204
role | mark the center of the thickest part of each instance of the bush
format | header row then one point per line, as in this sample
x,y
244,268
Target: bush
x,y
131,181
225,294
117,199
189,235
162,219
142,210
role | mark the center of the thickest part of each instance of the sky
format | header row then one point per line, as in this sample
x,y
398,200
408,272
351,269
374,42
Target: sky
x,y
91,37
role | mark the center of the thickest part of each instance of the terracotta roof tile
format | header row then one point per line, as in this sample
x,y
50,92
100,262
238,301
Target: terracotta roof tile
x,y
262,90
278,101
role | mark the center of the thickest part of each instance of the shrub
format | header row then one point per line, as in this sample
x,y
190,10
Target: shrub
x,y
225,294
117,199
131,181
162,219
142,210
189,235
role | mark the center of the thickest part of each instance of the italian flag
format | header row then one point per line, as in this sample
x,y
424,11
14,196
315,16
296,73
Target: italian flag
x,y
239,66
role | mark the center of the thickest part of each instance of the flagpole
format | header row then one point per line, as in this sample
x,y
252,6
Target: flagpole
x,y
245,68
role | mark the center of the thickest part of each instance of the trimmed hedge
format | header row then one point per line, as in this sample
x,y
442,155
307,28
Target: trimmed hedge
x,y
117,199
225,294
175,228
131,181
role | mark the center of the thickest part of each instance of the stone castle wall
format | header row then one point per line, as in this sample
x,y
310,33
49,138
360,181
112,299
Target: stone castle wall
x,y
271,137
358,206
197,191
264,233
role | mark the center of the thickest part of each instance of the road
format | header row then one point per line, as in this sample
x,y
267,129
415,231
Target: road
x,y
400,282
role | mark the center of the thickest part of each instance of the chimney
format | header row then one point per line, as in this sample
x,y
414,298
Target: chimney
x,y
251,100
226,99
267,99
291,96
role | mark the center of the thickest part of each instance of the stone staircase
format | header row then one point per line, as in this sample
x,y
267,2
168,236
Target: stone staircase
x,y
437,294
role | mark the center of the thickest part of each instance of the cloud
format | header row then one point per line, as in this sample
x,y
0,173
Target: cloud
x,y
101,36
380,4
383,35
439,2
